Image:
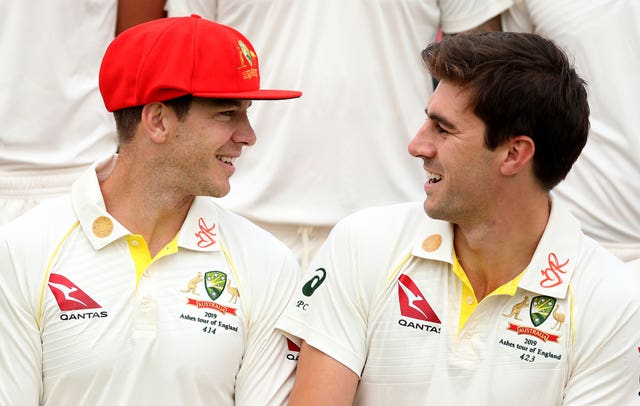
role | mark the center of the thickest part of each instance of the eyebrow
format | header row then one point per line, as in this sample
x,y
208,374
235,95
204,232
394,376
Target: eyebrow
x,y
439,118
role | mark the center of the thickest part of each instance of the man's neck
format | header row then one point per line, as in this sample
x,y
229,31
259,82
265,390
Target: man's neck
x,y
145,207
497,249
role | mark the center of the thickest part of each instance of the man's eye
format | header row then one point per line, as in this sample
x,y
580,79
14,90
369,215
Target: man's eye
x,y
440,129
226,115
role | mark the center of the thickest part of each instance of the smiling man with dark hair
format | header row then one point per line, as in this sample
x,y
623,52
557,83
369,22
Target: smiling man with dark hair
x,y
495,296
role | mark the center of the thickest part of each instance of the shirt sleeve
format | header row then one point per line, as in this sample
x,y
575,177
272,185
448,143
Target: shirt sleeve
x,y
328,309
267,371
461,15
20,347
605,368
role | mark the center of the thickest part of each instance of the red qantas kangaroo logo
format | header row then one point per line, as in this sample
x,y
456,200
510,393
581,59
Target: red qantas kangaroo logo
x,y
412,301
294,351
292,346
68,295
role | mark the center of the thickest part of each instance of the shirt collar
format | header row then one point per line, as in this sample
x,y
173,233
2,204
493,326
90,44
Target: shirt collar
x,y
201,229
554,260
199,232
551,266
99,226
435,241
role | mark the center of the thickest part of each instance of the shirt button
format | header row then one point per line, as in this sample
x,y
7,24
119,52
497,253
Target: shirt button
x,y
134,243
144,302
145,273
470,300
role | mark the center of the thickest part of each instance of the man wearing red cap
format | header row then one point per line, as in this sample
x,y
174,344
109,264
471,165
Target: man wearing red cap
x,y
137,288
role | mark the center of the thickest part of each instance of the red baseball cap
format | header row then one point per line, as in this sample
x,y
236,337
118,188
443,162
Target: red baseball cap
x,y
172,57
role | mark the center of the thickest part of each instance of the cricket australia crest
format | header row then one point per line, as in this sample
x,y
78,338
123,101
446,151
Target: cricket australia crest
x,y
541,308
214,283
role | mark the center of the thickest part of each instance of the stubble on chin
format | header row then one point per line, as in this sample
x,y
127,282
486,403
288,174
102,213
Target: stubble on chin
x,y
435,210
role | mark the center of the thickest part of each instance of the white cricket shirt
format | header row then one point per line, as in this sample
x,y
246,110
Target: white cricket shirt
x,y
84,324
382,299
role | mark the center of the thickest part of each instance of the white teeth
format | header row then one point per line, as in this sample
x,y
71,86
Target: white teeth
x,y
433,178
227,159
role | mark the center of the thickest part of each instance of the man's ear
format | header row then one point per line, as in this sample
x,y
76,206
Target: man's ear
x,y
519,153
156,121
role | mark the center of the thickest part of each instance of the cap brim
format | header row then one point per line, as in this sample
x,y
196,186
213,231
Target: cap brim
x,y
263,94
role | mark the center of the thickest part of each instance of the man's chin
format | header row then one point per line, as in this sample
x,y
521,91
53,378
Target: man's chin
x,y
218,191
432,210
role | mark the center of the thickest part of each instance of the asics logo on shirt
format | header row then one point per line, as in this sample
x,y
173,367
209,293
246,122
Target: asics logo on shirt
x,y
412,301
68,295
315,282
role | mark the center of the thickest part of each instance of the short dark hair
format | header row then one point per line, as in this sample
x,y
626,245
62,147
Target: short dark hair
x,y
520,84
127,119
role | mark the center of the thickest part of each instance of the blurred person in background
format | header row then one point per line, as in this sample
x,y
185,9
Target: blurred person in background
x,y
603,38
54,124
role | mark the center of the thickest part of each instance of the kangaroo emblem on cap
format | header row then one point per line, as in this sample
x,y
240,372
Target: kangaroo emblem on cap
x,y
249,56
